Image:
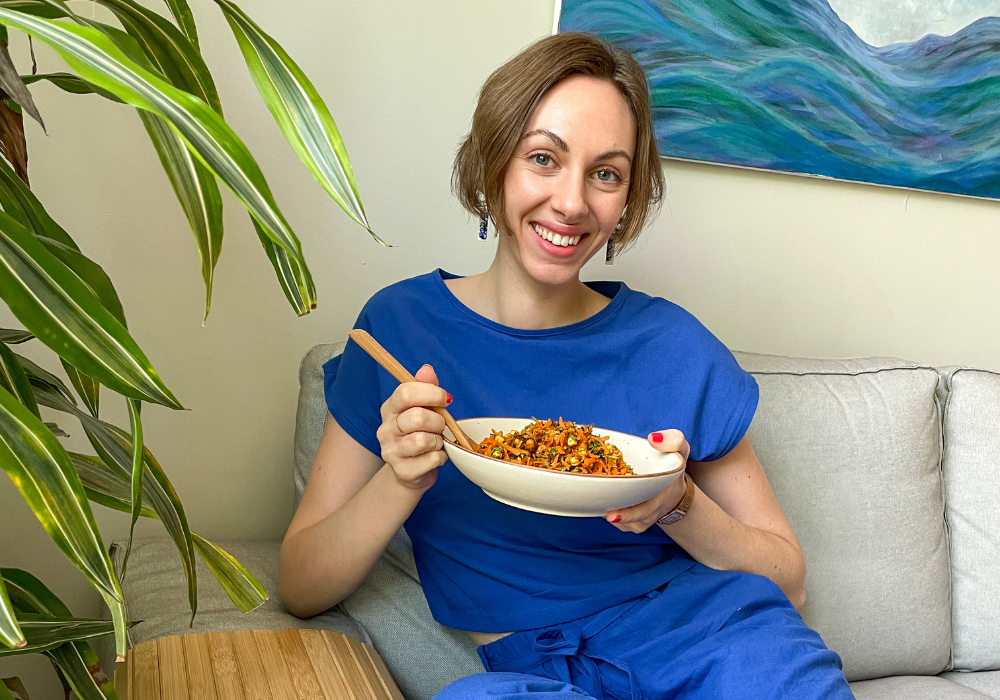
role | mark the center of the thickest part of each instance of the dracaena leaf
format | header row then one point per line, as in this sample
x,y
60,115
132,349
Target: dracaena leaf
x,y
96,59
116,451
42,471
21,203
300,112
69,83
15,381
10,633
109,488
138,467
88,389
197,192
63,312
77,661
292,278
185,19
44,632
13,336
11,83
171,53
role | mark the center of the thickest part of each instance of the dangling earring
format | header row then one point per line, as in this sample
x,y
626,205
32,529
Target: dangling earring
x,y
609,255
482,227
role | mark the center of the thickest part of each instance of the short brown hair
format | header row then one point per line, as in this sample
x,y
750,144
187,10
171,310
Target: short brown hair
x,y
506,102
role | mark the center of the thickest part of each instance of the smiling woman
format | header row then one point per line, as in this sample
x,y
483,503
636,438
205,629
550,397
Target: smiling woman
x,y
699,581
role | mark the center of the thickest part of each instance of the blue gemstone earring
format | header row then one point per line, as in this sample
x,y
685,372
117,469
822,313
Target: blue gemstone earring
x,y
482,227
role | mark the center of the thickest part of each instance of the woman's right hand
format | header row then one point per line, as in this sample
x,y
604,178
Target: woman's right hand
x,y
410,434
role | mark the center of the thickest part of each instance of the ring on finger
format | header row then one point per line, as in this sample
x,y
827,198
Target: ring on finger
x,y
395,421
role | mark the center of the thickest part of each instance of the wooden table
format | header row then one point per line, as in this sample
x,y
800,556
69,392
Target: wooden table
x,y
286,664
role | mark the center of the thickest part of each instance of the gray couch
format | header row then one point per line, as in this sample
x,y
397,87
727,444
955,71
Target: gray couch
x,y
889,472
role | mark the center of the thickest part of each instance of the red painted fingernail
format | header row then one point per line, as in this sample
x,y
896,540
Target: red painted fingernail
x,y
449,397
616,519
657,437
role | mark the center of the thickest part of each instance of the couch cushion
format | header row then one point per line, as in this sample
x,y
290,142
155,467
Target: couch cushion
x,y
310,417
987,682
914,688
972,482
156,593
851,448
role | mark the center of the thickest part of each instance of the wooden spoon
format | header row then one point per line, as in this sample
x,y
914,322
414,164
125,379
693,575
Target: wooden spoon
x,y
392,366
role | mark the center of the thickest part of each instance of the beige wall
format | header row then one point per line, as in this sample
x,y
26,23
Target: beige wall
x,y
770,263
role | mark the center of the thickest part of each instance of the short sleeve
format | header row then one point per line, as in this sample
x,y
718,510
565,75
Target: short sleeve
x,y
353,392
728,405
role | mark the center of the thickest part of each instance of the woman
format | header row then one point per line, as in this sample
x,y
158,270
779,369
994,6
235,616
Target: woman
x,y
691,593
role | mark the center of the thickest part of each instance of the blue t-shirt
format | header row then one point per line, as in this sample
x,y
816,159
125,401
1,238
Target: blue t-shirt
x,y
640,364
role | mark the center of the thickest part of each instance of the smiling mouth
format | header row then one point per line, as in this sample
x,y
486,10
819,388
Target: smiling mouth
x,y
555,238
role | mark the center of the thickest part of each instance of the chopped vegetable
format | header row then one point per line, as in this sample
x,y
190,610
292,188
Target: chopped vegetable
x,y
557,445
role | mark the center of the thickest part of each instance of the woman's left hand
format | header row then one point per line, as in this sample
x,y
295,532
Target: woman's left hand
x,y
643,516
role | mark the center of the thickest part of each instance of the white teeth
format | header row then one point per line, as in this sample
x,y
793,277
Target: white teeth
x,y
555,238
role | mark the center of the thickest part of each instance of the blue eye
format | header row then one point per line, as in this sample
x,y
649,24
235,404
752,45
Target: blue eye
x,y
606,175
541,159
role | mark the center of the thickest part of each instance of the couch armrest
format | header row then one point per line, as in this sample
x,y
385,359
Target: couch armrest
x,y
156,593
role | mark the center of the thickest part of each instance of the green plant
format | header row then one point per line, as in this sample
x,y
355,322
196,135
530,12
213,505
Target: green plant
x,y
66,301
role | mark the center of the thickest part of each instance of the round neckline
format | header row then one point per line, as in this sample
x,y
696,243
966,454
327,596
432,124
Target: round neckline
x,y
617,296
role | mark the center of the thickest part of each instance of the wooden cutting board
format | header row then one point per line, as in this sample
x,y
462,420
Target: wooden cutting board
x,y
285,664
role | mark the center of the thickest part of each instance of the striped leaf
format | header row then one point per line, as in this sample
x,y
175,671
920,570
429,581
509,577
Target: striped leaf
x,y
70,83
300,112
197,192
61,311
15,381
171,55
13,336
85,678
43,473
185,19
21,203
88,389
76,661
41,378
44,632
292,278
10,633
168,51
12,85
115,449
106,486
137,471
96,59
242,588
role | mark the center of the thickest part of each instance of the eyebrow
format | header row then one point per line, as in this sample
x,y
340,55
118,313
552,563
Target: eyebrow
x,y
557,140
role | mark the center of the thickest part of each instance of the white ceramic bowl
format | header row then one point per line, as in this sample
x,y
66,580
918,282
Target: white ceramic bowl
x,y
564,493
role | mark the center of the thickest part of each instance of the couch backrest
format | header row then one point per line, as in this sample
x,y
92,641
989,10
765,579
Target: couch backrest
x,y
852,449
971,400
858,459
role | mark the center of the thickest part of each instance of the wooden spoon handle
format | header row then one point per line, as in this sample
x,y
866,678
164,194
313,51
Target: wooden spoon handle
x,y
392,366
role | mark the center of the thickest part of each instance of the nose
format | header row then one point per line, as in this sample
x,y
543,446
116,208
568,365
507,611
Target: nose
x,y
569,198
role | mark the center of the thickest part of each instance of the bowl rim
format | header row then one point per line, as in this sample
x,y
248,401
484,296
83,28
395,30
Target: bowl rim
x,y
455,444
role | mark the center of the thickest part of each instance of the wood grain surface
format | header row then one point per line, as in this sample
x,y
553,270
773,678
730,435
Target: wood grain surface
x,y
282,664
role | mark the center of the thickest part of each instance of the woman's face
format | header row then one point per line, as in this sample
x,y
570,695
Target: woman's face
x,y
566,185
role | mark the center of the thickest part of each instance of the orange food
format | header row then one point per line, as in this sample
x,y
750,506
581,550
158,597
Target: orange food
x,y
557,445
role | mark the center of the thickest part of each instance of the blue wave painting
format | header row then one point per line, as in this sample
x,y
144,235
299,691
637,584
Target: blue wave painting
x,y
786,85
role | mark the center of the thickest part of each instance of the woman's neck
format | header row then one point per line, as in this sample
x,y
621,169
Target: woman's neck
x,y
509,297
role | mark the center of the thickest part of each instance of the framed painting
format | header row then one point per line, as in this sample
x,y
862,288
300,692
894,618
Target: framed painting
x,y
902,93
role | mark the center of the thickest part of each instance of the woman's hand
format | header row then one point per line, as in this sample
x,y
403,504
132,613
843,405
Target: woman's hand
x,y
410,434
640,518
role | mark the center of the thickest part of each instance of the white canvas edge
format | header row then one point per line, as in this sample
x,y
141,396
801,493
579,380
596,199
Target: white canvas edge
x,y
556,11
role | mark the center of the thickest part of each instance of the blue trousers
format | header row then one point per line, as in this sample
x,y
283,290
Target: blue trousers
x,y
705,635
